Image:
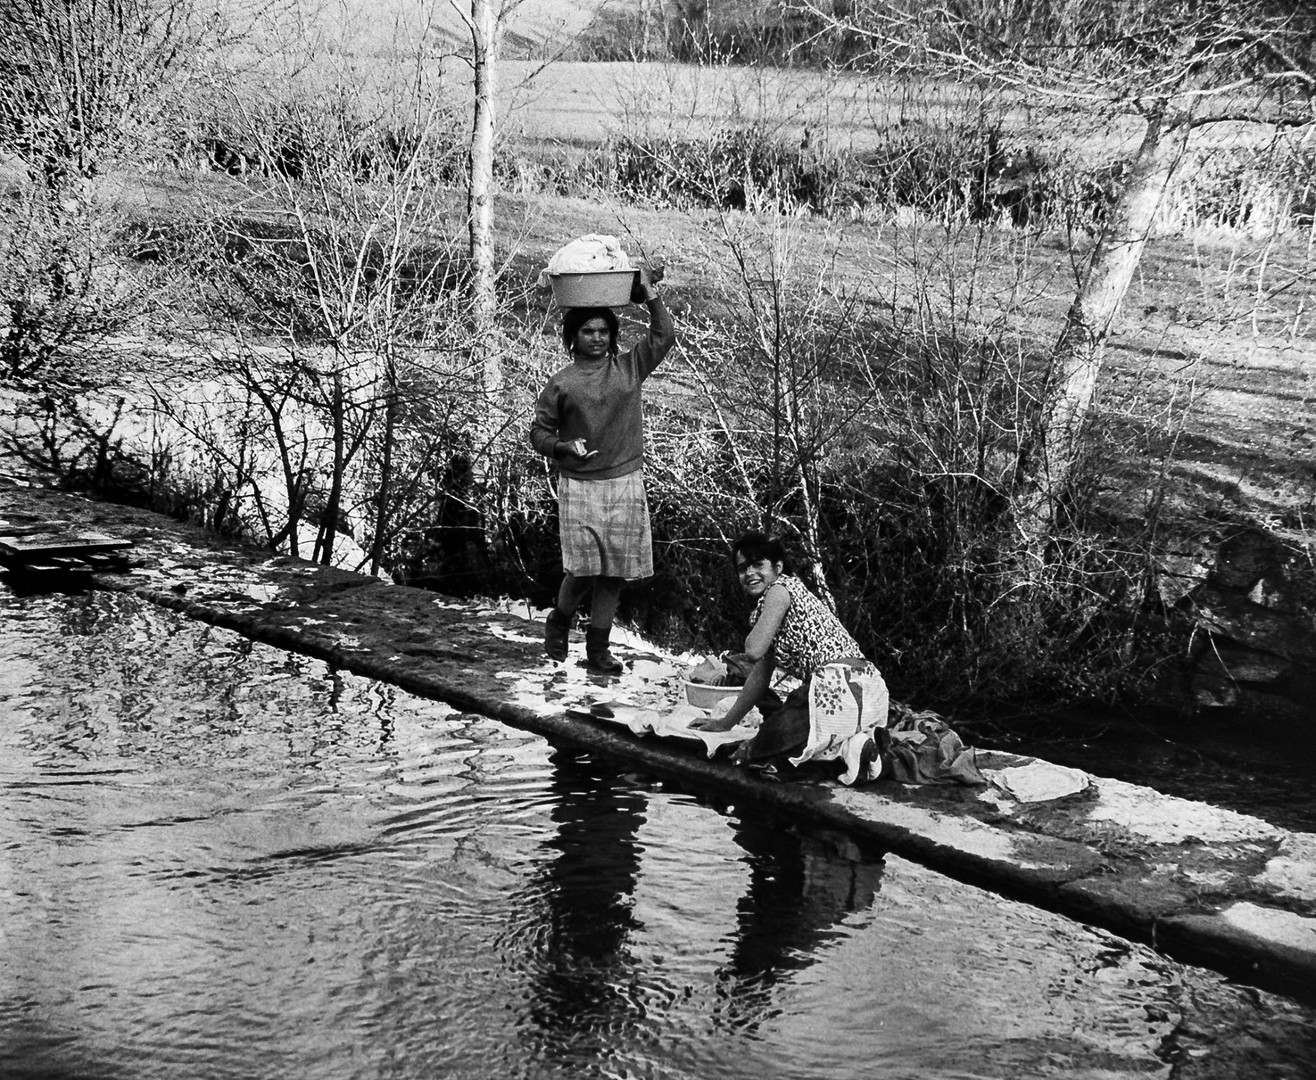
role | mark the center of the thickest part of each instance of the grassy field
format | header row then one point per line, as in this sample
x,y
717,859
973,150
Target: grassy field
x,y
1226,343
585,102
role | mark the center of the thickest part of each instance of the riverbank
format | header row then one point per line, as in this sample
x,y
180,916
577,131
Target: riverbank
x,y
1205,885
1198,537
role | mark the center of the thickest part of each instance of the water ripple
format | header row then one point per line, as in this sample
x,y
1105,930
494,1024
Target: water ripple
x,y
220,860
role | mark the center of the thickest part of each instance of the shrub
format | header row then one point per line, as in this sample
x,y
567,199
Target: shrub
x,y
63,293
952,170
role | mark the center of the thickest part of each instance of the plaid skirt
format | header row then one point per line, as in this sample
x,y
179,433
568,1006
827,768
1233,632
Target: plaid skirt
x,y
604,526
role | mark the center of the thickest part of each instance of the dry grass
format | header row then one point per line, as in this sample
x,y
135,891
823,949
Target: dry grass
x,y
582,103
1216,335
1219,334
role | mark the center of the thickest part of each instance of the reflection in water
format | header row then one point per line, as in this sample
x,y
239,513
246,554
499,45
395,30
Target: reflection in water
x,y
585,895
801,886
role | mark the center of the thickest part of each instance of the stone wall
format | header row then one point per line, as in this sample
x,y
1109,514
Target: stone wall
x,y
1252,646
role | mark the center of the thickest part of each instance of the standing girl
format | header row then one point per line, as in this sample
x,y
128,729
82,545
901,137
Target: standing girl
x,y
590,422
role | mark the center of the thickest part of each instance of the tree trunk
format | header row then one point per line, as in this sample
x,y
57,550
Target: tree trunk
x,y
486,32
646,29
1079,351
329,523
487,342
384,495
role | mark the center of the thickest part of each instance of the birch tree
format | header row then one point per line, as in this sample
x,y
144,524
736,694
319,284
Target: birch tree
x,y
487,23
1174,67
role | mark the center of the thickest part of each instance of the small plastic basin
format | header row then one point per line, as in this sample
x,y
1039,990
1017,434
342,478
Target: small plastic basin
x,y
703,696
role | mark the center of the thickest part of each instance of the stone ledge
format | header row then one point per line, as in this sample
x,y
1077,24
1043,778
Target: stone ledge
x,y
1264,946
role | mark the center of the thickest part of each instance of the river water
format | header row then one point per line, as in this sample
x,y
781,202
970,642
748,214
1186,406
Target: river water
x,y
221,860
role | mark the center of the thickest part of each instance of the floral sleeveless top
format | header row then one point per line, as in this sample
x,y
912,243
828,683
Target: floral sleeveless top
x,y
810,635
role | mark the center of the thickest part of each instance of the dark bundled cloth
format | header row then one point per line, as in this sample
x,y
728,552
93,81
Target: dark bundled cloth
x,y
925,749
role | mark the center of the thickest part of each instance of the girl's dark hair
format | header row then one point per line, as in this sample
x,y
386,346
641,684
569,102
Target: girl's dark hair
x,y
756,545
574,318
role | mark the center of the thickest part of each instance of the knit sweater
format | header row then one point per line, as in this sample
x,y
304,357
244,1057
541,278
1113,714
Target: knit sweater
x,y
599,401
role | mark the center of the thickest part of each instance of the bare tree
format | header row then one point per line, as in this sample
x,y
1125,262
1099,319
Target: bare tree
x,y
1175,67
487,23
778,366
79,79
346,285
81,82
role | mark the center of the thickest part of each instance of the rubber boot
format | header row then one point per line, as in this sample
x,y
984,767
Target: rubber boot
x,y
597,654
556,627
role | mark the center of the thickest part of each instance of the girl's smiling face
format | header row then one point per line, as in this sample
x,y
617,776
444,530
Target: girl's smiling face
x,y
593,340
756,577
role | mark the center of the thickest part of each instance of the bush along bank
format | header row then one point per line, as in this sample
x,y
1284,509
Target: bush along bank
x,y
953,171
922,572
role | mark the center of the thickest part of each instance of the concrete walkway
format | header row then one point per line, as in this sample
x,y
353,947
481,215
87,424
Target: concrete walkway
x,y
1205,885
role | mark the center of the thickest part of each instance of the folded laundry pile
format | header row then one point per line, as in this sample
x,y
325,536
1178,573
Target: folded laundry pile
x,y
593,253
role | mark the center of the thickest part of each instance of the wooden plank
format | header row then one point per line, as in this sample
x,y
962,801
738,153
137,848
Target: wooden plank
x,y
43,548
103,560
16,528
35,546
64,564
38,567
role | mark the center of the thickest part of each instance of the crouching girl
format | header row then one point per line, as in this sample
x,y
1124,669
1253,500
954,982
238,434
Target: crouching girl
x,y
839,711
